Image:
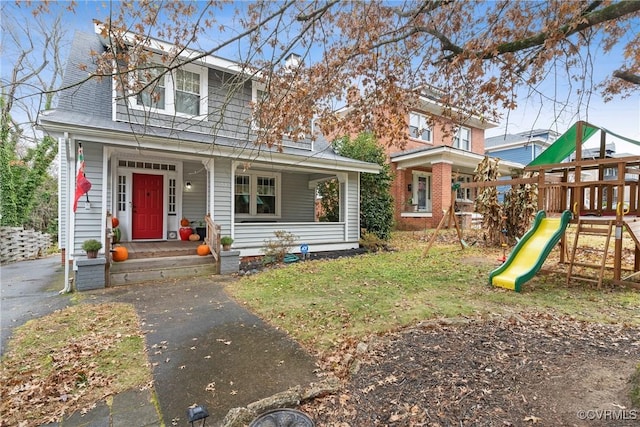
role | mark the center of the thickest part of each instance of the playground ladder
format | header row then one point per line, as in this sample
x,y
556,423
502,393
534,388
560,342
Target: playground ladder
x,y
590,227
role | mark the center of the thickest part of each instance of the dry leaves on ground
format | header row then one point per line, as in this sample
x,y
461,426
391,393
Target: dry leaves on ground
x,y
523,370
69,360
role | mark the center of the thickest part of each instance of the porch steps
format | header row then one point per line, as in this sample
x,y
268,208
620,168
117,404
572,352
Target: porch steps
x,y
139,270
161,249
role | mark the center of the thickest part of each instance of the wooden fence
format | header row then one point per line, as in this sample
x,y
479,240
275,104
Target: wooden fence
x,y
18,244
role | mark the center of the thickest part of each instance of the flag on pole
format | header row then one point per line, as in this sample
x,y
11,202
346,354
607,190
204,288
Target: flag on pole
x,y
82,183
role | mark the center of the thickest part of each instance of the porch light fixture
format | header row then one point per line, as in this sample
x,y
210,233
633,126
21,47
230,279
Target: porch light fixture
x,y
197,413
187,185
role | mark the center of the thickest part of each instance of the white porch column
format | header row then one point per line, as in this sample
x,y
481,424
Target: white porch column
x,y
209,166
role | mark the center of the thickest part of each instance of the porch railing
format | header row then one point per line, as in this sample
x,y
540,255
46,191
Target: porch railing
x,y
212,237
247,234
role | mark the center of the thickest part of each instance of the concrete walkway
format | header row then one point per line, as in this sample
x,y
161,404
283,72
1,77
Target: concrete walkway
x,y
204,347
207,349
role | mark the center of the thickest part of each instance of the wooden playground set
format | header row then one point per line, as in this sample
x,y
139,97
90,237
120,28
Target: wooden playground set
x,y
597,196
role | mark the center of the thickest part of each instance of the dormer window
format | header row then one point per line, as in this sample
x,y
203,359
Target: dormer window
x,y
181,92
419,127
187,92
154,94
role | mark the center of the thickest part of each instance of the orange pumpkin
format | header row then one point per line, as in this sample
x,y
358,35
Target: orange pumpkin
x,y
203,249
120,253
114,222
184,222
194,237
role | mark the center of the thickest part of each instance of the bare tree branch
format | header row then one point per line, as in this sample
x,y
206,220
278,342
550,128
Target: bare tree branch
x,y
627,76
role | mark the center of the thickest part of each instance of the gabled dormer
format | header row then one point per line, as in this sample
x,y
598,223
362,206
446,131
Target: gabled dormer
x,y
193,93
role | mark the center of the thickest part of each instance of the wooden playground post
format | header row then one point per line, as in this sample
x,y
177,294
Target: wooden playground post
x,y
449,216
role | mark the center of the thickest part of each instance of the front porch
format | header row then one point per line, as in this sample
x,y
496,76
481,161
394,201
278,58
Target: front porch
x,y
424,180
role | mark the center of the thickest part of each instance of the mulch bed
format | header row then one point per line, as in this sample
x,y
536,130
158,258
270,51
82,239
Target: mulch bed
x,y
250,265
523,370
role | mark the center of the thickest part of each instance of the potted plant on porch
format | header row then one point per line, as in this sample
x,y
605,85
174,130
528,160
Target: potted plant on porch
x,y
91,247
226,242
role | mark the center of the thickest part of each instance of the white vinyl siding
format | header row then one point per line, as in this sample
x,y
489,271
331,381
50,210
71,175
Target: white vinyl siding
x,y
89,222
350,197
222,195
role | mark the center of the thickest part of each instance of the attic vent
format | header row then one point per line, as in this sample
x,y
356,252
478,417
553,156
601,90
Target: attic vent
x,y
146,165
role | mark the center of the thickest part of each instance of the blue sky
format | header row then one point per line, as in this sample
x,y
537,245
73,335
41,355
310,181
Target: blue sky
x,y
620,116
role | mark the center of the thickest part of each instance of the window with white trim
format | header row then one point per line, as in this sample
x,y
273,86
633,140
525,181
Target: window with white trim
x,y
187,92
243,194
257,194
154,94
122,193
462,139
419,127
182,92
172,196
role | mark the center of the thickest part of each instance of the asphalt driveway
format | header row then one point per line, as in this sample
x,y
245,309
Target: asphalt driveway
x,y
28,290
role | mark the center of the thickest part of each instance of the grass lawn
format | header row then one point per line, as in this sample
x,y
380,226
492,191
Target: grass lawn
x,y
324,303
77,356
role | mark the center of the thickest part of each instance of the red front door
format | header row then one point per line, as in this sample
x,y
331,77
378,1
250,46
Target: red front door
x,y
147,206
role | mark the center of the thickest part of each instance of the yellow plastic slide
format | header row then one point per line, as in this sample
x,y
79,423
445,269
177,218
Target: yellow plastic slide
x,y
529,254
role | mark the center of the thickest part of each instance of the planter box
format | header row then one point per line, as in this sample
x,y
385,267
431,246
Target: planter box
x,y
229,262
201,231
90,273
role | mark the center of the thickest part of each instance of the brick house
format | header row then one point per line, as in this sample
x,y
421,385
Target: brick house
x,y
439,152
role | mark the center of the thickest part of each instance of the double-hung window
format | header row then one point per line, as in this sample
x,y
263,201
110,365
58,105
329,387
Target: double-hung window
x,y
257,194
243,194
182,91
153,94
419,127
187,92
462,138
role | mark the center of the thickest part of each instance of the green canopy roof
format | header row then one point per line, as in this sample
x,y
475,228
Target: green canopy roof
x,y
566,144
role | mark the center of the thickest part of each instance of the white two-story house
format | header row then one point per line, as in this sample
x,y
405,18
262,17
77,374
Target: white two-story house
x,y
183,148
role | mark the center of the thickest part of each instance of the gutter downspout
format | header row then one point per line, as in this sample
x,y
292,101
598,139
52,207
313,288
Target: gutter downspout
x,y
67,208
